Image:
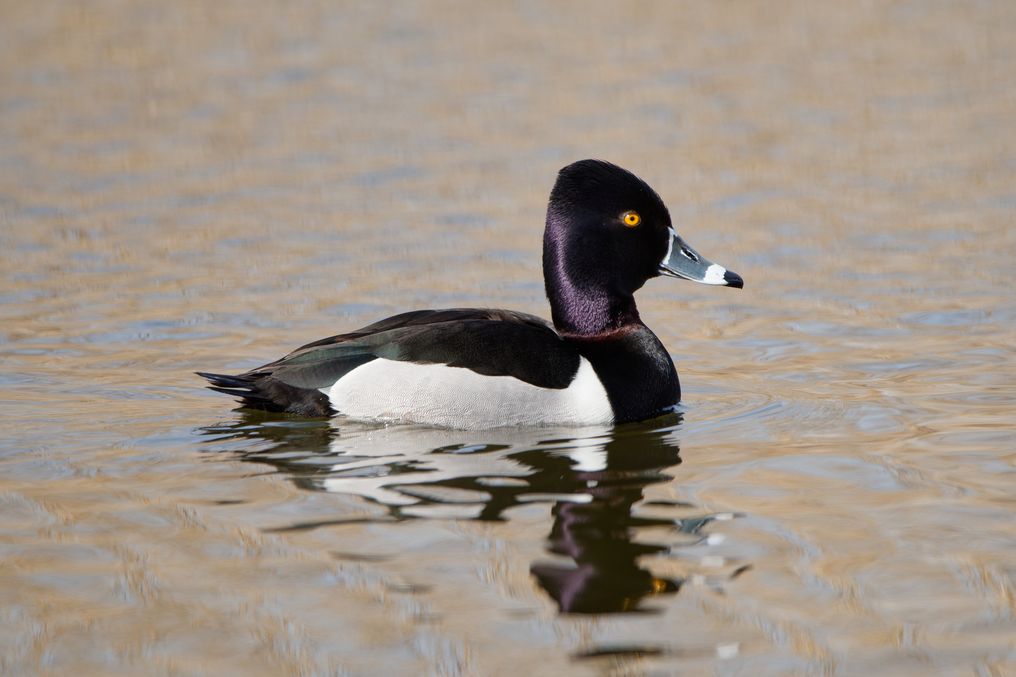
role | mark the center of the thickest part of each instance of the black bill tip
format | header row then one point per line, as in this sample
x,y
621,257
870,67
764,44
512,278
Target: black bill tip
x,y
733,280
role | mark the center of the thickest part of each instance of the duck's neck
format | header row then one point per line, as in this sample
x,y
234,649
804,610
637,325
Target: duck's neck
x,y
587,310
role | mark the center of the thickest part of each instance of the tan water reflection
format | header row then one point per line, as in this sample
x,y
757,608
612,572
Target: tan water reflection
x,y
593,483
190,186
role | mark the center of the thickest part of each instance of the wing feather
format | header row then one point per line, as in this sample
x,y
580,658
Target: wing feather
x,y
487,341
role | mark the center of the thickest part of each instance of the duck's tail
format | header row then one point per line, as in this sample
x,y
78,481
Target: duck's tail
x,y
270,394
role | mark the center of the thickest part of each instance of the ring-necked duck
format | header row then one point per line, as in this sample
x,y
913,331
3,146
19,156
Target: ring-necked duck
x,y
607,233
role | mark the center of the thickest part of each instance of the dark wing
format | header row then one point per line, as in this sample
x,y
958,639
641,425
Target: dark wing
x,y
489,342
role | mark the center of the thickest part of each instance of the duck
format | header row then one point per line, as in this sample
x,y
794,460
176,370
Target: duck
x,y
596,363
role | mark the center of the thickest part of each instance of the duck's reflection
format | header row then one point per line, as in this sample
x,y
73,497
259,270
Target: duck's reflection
x,y
597,535
593,481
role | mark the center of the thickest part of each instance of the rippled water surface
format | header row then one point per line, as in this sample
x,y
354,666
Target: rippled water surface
x,y
205,186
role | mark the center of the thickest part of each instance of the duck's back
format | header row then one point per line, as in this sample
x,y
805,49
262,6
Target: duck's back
x,y
463,368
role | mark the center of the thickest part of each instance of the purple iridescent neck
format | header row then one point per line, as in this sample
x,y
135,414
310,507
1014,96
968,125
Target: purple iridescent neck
x,y
584,298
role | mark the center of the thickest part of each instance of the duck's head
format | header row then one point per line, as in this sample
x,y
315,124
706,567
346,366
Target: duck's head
x,y
607,233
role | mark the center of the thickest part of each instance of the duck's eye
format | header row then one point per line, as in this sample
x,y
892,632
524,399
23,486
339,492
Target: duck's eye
x,y
631,219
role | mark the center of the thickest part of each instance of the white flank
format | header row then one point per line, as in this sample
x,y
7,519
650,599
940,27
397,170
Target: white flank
x,y
714,275
436,394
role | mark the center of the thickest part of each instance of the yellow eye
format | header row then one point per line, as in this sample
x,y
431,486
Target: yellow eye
x,y
631,219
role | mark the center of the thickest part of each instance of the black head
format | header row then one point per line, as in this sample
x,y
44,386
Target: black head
x,y
607,227
608,233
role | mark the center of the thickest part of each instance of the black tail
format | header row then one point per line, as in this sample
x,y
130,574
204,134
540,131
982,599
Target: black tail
x,y
270,394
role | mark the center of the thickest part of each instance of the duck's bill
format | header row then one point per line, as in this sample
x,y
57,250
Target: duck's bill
x,y
684,262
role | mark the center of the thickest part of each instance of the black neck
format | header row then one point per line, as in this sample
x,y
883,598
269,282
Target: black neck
x,y
587,295
586,310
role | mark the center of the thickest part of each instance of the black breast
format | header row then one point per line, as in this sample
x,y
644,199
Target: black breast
x,y
635,369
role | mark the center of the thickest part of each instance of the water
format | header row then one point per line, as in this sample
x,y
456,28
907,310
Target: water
x,y
187,187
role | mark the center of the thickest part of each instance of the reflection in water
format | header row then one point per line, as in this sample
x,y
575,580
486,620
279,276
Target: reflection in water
x,y
597,535
594,482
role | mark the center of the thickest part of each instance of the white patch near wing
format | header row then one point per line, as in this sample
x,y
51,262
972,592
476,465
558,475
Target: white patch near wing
x,y
714,275
437,394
